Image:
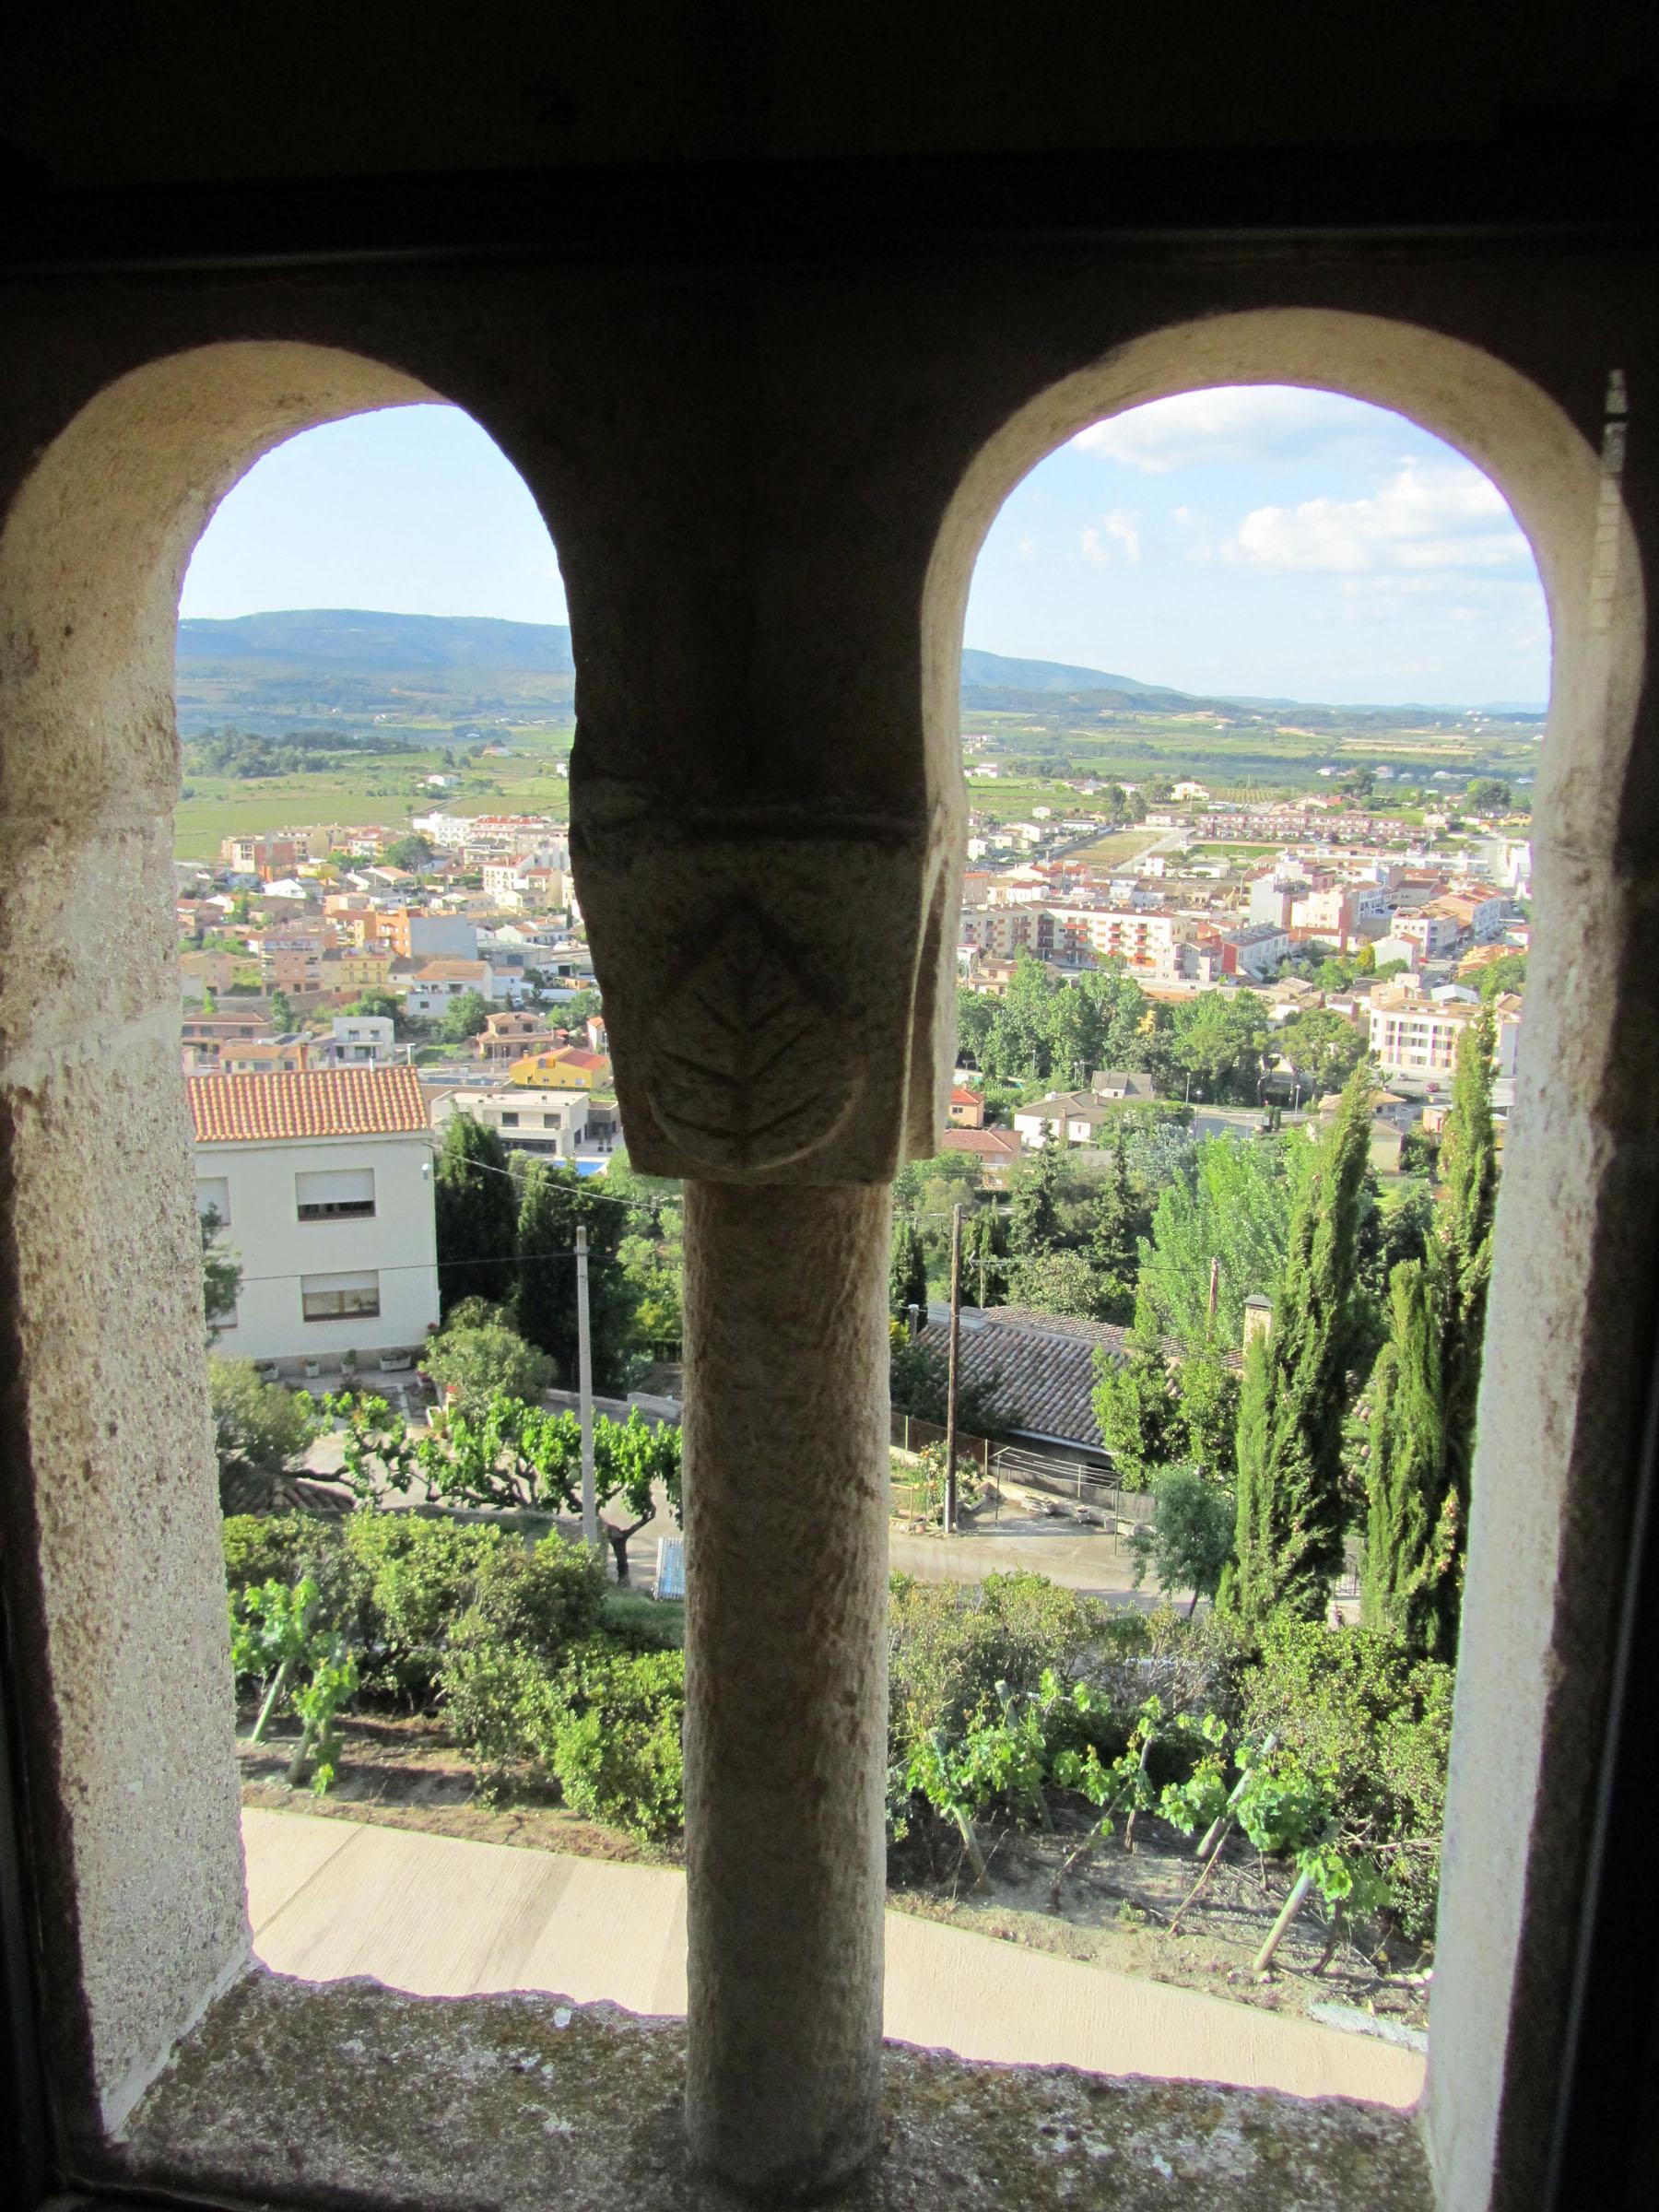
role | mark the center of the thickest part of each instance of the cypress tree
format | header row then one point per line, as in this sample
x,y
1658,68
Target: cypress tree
x,y
1468,1164
907,1269
1288,1541
1427,1381
984,1254
1411,1517
477,1212
1114,1237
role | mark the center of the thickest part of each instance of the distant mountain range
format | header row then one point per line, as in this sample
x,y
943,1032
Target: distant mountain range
x,y
342,642
354,638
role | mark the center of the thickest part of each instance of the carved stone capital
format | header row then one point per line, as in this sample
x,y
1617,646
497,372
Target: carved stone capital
x,y
773,989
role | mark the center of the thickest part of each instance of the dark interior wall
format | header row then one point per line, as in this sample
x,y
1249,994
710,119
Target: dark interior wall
x,y
181,90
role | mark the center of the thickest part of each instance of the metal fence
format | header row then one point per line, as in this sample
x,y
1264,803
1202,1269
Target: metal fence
x,y
1081,1482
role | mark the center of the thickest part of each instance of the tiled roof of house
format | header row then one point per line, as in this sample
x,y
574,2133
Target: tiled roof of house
x,y
989,1143
347,1101
1037,1369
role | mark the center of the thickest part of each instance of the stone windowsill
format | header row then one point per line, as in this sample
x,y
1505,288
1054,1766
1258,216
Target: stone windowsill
x,y
352,2094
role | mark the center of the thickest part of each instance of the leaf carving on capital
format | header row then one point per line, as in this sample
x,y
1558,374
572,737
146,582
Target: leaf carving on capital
x,y
753,1065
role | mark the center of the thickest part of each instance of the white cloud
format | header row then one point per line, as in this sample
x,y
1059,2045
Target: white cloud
x,y
1428,517
1121,529
1025,548
1231,422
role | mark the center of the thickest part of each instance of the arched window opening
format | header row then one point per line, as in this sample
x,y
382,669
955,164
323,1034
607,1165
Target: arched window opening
x,y
1253,693
427,1264
1415,1410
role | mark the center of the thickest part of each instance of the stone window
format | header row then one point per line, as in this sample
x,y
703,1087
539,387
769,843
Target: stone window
x,y
768,814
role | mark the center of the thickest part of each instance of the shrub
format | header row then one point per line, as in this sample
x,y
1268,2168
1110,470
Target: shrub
x,y
500,1700
950,1644
293,1548
1374,1727
426,1576
481,1361
616,1746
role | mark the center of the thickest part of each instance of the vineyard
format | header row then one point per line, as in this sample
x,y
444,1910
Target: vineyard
x,y
1260,1816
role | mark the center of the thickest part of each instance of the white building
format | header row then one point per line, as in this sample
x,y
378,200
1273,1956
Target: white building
x,y
323,1183
434,988
1419,1037
355,1040
551,1123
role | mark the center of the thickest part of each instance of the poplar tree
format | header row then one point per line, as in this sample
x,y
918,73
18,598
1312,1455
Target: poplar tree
x,y
1288,1541
1427,1383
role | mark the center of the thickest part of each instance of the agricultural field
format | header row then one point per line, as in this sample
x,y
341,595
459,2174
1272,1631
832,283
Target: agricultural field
x,y
378,787
1119,847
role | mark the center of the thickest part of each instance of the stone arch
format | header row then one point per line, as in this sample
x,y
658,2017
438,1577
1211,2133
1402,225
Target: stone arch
x,y
113,1568
1567,1345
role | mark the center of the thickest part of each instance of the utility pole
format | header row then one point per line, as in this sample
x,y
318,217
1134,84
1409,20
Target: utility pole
x,y
950,1389
1215,1287
584,1385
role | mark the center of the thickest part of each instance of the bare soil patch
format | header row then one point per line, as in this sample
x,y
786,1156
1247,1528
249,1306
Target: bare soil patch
x,y
405,1772
1114,1909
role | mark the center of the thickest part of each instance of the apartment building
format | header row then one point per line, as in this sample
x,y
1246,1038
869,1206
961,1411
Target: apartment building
x,y
1418,1036
322,1186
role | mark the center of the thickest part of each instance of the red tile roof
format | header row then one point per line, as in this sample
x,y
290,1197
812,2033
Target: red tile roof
x,y
348,1102
990,1144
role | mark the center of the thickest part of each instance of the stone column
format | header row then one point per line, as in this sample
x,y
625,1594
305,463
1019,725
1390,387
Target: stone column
x,y
785,1488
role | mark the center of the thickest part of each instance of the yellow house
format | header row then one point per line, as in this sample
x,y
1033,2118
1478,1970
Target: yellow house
x,y
357,968
568,1068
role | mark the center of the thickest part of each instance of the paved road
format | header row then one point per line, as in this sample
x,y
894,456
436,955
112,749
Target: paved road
x,y
441,1917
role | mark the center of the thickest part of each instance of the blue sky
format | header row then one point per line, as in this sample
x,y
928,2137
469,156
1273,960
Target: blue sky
x,y
1252,540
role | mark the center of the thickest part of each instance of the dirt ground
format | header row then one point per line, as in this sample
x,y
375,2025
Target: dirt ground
x,y
1114,1909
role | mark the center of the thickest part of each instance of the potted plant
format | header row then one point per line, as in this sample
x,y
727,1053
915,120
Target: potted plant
x,y
314,1367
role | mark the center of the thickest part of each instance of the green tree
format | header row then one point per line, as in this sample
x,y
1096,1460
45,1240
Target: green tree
x,y
1219,1040
1189,1541
1034,1207
282,1012
483,1363
380,1004
985,1255
1507,972
1412,1538
1208,1410
907,1269
1323,1048
465,1017
1294,1398
261,1431
412,851
221,1274
555,1202
1230,1202
1490,795
1135,1406
476,1208
1118,1220
1057,1281
1463,1259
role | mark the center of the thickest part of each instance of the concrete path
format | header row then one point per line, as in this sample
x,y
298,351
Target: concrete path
x,y
439,1916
